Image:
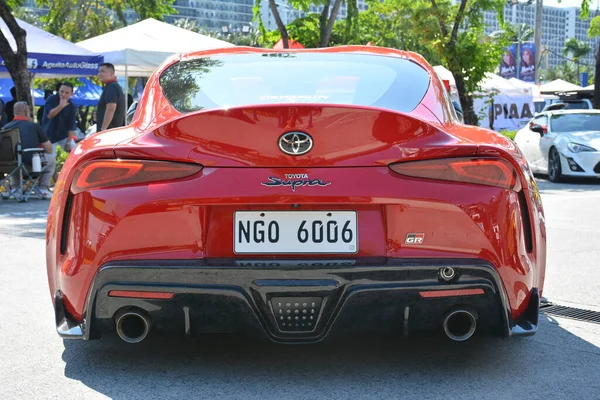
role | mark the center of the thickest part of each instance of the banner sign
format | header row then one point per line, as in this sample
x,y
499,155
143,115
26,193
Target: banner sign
x,y
508,68
527,62
506,112
59,64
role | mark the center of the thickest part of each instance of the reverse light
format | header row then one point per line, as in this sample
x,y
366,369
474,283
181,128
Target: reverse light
x,y
482,171
578,148
107,173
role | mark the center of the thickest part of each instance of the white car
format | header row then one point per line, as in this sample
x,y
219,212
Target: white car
x,y
562,143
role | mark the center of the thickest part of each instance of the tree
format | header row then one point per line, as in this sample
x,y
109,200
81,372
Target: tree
x,y
593,32
77,20
564,71
577,50
326,18
455,31
15,60
236,36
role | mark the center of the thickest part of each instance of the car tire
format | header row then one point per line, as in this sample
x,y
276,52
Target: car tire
x,y
554,166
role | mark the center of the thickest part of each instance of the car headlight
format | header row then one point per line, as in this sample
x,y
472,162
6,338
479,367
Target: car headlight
x,y
578,148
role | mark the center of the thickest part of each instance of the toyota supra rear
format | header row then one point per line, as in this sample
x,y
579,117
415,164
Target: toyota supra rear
x,y
296,195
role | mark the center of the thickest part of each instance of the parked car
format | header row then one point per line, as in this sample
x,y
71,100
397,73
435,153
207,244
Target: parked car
x,y
562,143
295,194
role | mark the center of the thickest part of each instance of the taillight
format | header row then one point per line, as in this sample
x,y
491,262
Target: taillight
x,y
107,173
483,171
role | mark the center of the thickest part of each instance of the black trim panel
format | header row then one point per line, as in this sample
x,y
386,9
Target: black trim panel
x,y
220,296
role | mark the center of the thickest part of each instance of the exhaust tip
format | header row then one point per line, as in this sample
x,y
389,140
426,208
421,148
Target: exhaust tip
x,y
460,325
447,273
132,326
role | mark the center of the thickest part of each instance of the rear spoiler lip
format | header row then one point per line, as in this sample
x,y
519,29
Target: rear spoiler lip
x,y
153,125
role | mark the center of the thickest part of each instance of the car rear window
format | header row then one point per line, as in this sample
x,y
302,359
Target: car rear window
x,y
578,122
284,78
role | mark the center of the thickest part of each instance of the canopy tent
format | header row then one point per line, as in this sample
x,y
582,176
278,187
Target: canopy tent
x,y
5,96
49,56
445,75
559,85
591,87
137,49
292,44
493,82
87,94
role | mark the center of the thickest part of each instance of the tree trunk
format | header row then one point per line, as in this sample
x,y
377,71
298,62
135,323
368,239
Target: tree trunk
x,y
323,19
16,63
326,34
280,25
597,80
466,101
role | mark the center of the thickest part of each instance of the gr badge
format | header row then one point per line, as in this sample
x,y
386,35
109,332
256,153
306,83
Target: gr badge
x,y
414,238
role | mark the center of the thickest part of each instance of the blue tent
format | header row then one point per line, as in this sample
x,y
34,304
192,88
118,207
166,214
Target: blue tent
x,y
88,94
7,83
49,56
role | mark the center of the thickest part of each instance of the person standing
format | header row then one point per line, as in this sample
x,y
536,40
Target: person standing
x,y
60,117
111,106
10,105
32,136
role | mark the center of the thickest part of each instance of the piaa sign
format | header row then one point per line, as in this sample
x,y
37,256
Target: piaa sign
x,y
510,112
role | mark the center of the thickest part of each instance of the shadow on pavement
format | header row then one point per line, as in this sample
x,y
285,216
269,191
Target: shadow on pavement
x,y
570,185
24,219
389,367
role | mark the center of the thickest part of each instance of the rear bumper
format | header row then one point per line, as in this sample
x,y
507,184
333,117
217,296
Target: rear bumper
x,y
252,297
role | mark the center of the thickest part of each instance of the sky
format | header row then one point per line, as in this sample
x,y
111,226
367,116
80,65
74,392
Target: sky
x,y
568,3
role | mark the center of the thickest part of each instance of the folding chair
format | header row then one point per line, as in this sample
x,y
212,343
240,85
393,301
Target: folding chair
x,y
18,181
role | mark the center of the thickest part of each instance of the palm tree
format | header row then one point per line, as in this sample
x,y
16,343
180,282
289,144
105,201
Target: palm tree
x,y
577,50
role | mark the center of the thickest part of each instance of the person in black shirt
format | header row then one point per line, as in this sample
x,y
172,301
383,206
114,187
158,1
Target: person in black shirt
x,y
60,117
11,104
111,106
32,136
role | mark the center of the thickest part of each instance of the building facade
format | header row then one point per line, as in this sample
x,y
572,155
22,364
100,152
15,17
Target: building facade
x,y
558,26
214,14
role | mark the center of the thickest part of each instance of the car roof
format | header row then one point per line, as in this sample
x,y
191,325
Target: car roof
x,y
571,111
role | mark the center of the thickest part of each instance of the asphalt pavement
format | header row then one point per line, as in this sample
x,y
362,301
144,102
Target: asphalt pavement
x,y
562,361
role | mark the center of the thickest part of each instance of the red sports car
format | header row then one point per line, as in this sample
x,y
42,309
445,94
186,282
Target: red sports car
x,y
296,195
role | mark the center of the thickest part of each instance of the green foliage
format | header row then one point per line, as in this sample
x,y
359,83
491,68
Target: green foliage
x,y
594,27
25,14
515,33
61,157
576,48
306,30
509,134
77,20
567,72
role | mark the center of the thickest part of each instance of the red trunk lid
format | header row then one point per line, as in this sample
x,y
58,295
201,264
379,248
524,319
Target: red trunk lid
x,y
249,137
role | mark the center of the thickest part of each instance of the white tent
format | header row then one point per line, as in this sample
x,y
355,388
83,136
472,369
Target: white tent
x,y
445,74
138,49
591,87
526,86
558,85
498,83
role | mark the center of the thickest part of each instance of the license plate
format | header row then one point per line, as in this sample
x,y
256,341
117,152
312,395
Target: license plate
x,y
315,232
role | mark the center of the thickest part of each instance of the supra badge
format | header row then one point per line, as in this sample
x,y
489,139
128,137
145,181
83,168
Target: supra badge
x,y
294,181
414,238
